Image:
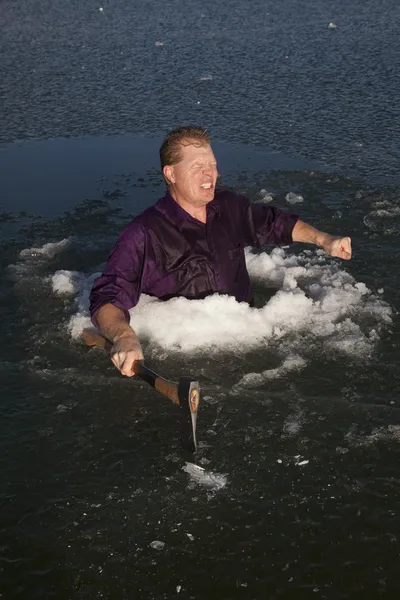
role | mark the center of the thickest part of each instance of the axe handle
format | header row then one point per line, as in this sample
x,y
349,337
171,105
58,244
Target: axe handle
x,y
91,337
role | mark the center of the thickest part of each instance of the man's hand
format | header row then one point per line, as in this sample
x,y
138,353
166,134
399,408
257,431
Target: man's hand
x,y
113,323
125,351
333,245
337,246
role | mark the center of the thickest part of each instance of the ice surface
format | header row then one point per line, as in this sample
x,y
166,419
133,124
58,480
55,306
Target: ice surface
x,y
72,282
293,423
33,258
48,250
390,433
384,218
252,380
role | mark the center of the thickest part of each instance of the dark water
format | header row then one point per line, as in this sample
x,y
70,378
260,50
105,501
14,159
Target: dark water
x,y
263,73
91,466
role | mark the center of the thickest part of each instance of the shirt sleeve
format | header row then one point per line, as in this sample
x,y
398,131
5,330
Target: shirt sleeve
x,y
268,225
121,282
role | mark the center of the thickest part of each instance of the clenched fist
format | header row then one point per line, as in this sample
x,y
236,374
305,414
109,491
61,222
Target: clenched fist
x,y
337,246
125,351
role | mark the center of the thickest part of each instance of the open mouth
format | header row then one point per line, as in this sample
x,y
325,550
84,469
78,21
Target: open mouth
x,y
206,186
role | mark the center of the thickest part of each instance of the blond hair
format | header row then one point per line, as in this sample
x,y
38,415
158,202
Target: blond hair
x,y
170,150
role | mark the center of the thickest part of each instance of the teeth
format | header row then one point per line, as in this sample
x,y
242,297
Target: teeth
x,y
206,186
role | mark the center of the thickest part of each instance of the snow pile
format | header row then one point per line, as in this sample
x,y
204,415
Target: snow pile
x,y
317,307
314,299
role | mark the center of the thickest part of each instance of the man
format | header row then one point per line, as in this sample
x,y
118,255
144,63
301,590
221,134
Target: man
x,y
190,243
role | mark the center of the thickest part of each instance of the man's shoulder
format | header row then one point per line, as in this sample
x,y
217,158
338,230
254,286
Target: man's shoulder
x,y
164,207
144,220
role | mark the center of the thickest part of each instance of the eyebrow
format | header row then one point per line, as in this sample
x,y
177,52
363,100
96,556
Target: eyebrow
x,y
200,163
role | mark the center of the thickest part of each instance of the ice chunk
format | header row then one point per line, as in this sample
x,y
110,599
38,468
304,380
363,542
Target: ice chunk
x,y
292,198
66,282
157,545
207,479
265,197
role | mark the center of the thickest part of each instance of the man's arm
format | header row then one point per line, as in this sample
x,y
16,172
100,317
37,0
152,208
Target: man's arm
x,y
113,324
335,246
270,225
115,292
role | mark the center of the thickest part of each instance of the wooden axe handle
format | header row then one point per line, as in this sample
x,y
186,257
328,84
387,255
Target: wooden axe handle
x,y
91,337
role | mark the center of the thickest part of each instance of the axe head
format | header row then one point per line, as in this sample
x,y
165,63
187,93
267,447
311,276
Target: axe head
x,y
189,400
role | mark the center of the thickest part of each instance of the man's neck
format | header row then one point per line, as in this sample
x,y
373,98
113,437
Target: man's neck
x,y
197,212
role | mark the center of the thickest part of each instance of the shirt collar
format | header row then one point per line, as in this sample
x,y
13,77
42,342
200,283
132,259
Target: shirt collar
x,y
177,215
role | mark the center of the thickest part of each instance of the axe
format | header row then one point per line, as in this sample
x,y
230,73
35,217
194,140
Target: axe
x,y
186,393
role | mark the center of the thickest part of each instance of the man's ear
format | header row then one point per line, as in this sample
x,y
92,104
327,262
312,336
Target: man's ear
x,y
169,174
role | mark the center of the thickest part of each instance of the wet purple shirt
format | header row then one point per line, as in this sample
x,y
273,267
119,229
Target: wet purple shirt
x,y
164,252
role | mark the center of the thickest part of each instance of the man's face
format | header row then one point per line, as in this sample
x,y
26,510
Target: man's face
x,y
193,179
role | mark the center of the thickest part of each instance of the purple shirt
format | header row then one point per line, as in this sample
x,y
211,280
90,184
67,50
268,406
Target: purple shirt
x,y
164,252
